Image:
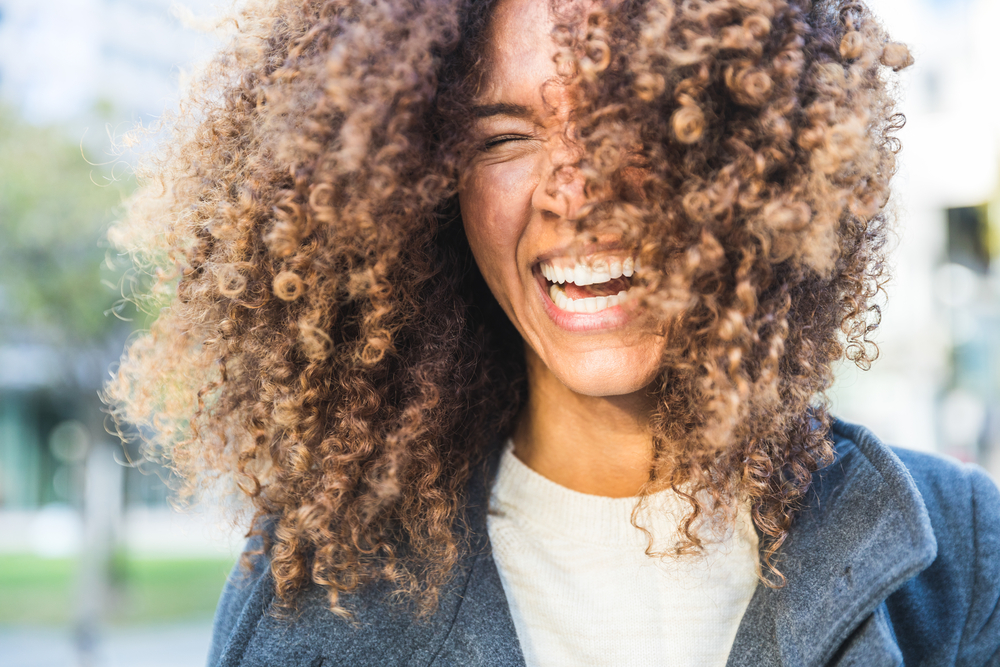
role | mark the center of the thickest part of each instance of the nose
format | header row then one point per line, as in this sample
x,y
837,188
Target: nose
x,y
559,193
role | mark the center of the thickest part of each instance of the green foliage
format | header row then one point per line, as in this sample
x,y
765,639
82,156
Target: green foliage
x,y
36,590
54,211
151,590
42,591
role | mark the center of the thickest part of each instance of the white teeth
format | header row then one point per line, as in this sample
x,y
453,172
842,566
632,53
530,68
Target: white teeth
x,y
593,304
602,277
599,271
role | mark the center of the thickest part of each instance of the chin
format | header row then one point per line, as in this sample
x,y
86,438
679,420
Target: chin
x,y
605,377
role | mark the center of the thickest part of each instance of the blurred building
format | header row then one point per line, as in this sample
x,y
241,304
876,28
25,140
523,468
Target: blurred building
x,y
937,383
91,69
80,61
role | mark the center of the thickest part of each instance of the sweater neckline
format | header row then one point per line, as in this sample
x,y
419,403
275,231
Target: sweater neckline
x,y
539,504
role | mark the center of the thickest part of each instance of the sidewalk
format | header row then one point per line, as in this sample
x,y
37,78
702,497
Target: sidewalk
x,y
173,645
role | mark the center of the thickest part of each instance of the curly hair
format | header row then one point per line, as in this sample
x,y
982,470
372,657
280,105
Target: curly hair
x,y
325,341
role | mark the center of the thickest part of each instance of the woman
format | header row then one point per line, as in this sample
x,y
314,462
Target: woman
x,y
510,317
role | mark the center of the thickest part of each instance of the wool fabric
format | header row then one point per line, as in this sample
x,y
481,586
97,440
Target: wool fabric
x,y
583,592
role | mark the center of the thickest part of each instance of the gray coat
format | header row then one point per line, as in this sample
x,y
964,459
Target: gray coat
x,y
895,558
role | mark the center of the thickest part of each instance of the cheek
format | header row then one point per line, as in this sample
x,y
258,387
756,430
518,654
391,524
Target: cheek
x,y
495,203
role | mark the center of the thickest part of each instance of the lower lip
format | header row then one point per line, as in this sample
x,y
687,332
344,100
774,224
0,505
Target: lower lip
x,y
609,318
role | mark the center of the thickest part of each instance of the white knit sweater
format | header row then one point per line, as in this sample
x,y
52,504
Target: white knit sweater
x,y
583,592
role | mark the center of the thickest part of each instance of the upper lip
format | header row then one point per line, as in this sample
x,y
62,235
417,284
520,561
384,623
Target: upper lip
x,y
578,252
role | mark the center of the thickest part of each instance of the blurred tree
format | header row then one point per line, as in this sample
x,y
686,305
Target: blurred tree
x,y
54,210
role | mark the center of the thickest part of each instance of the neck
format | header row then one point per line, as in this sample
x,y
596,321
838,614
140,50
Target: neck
x,y
598,445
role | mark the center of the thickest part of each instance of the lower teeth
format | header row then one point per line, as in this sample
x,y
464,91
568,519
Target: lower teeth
x,y
593,304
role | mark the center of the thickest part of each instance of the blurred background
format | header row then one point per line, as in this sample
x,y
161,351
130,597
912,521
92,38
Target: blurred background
x,y
96,568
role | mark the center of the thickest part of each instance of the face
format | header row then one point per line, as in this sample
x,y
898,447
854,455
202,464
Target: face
x,y
569,300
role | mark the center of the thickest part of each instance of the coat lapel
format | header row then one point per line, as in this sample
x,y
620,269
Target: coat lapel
x,y
864,532
482,633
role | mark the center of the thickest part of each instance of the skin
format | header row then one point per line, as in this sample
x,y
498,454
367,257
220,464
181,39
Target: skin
x,y
585,425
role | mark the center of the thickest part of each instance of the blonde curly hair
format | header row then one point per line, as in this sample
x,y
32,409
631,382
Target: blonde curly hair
x,y
326,340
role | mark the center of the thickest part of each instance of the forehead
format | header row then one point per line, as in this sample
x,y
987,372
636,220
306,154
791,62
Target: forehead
x,y
520,50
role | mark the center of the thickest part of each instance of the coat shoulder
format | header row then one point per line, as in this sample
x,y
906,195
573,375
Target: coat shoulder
x,y
251,628
247,593
949,613
470,626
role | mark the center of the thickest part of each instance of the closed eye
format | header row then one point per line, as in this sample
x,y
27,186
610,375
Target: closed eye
x,y
493,142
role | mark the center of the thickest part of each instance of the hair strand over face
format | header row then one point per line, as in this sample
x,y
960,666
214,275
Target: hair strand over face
x,y
329,347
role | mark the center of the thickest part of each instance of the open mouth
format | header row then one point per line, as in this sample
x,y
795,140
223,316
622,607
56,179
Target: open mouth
x,y
589,287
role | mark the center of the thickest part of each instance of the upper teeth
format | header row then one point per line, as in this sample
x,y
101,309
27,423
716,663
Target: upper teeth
x,y
598,271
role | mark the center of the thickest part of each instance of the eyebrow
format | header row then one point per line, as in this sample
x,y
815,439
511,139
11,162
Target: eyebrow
x,y
501,109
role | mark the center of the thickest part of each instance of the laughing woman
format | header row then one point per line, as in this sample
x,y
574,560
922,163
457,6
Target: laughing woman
x,y
511,321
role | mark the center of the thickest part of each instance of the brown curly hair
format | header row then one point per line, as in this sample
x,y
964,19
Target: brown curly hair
x,y
324,339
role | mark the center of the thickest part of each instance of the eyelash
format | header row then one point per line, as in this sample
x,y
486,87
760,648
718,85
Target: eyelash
x,y
502,139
